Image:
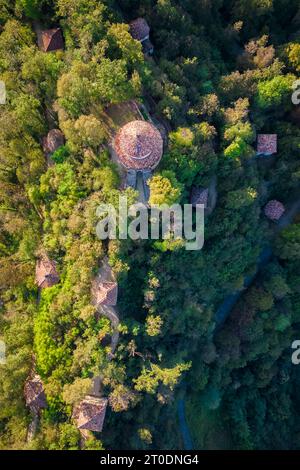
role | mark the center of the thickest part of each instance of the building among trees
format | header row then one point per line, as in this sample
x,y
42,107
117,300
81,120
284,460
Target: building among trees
x,y
105,293
45,273
90,413
139,148
34,394
140,30
266,144
53,141
50,40
274,210
199,196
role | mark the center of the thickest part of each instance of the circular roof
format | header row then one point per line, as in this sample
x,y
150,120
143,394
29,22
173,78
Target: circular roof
x,y
274,209
139,145
139,29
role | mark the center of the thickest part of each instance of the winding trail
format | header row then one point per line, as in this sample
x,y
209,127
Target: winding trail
x,y
184,429
105,274
32,427
112,315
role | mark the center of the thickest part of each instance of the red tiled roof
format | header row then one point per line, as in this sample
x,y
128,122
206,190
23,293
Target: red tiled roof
x,y
105,292
199,196
45,273
139,29
139,145
266,144
34,393
274,210
53,141
50,40
90,413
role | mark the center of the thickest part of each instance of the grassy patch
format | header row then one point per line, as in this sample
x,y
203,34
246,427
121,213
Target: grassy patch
x,y
117,115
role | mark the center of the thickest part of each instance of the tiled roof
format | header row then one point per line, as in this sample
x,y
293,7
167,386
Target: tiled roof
x,y
53,141
266,144
139,145
105,292
199,196
34,393
45,273
274,210
139,29
50,40
90,413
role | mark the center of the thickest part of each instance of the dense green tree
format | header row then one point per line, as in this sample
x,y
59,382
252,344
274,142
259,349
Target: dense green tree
x,y
287,245
221,73
164,189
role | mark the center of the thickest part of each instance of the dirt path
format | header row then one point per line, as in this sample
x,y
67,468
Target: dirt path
x,y
184,429
32,428
112,315
105,274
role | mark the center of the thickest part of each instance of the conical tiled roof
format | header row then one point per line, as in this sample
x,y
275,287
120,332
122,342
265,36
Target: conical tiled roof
x,y
105,292
45,273
50,40
90,413
34,393
199,196
53,141
139,145
274,210
139,29
266,144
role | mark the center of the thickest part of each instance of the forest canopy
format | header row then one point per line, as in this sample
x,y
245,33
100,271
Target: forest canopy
x,y
221,74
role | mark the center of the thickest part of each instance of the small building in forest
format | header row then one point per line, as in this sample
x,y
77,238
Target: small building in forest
x,y
53,141
140,30
50,40
45,273
34,394
266,144
90,413
199,196
274,210
139,147
105,293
